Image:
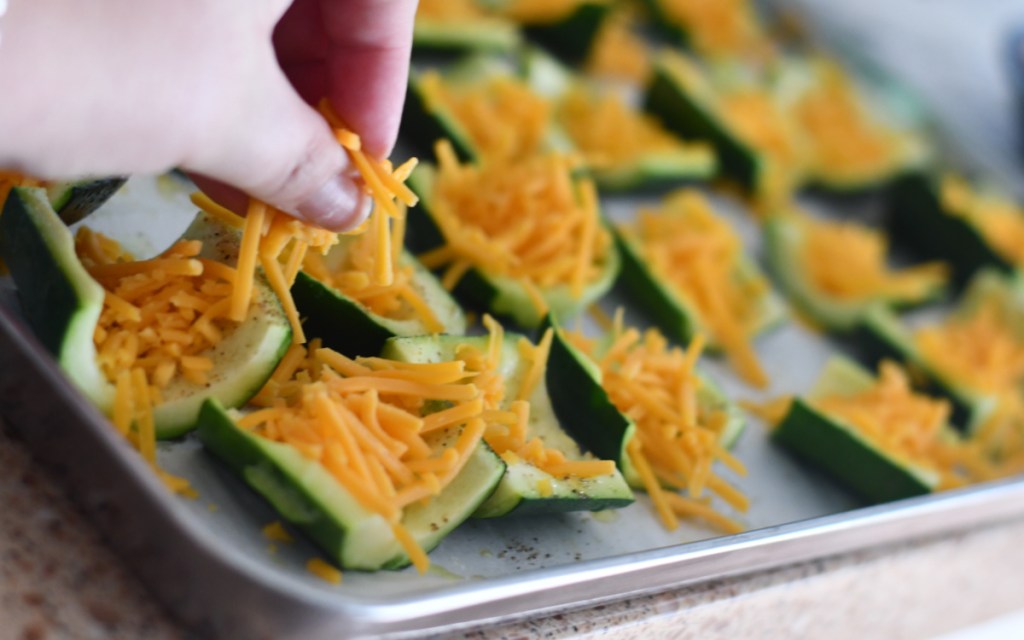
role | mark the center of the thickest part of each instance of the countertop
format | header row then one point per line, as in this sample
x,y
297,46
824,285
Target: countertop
x,y
59,579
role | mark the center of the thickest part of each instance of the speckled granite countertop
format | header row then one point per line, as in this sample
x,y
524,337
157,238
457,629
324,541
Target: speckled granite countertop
x,y
58,579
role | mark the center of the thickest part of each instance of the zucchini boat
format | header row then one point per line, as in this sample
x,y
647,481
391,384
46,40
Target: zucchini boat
x,y
970,227
461,25
346,451
512,252
975,357
686,268
549,471
875,436
835,272
753,133
567,28
614,382
714,29
621,147
355,317
79,312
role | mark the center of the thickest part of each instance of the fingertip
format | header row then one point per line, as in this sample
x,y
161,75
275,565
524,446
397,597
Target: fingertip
x,y
339,204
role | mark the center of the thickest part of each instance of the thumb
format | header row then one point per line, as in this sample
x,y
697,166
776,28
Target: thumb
x,y
275,147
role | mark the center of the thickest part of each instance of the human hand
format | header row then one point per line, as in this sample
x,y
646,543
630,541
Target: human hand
x,y
120,86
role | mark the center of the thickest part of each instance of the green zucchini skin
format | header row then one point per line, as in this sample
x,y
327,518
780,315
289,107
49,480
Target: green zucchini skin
x,y
572,37
492,35
423,126
914,205
62,303
499,295
782,238
518,493
841,452
688,117
75,200
307,496
345,325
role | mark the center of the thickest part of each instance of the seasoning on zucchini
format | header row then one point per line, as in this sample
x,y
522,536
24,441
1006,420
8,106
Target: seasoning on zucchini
x,y
970,226
622,147
975,356
665,423
354,454
686,267
549,468
461,25
513,251
836,271
339,303
876,436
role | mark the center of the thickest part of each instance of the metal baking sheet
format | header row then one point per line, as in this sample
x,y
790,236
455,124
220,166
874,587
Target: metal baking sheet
x,y
209,562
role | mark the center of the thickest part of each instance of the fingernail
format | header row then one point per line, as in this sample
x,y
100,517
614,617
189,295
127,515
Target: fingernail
x,y
339,205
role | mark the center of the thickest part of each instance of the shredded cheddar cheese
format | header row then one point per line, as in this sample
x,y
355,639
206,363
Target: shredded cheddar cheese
x,y
847,260
842,140
696,253
770,129
502,116
906,425
529,220
323,570
366,422
981,350
275,531
677,439
718,28
279,243
161,320
618,52
450,11
609,133
999,220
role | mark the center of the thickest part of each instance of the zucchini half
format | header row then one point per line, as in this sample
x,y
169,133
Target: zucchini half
x,y
691,162
841,451
916,204
62,304
675,313
309,497
498,294
783,242
350,328
485,33
519,491
587,413
886,336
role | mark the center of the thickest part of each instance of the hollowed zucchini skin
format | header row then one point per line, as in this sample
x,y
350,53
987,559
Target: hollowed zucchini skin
x,y
519,493
840,452
918,220
308,496
75,200
62,303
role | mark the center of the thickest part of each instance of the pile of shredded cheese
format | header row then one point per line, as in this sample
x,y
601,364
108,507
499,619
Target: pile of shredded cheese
x,y
508,418
907,425
847,260
694,251
503,117
400,300
677,439
979,350
450,11
1000,221
718,28
161,320
529,220
618,52
609,133
841,139
364,421
755,117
